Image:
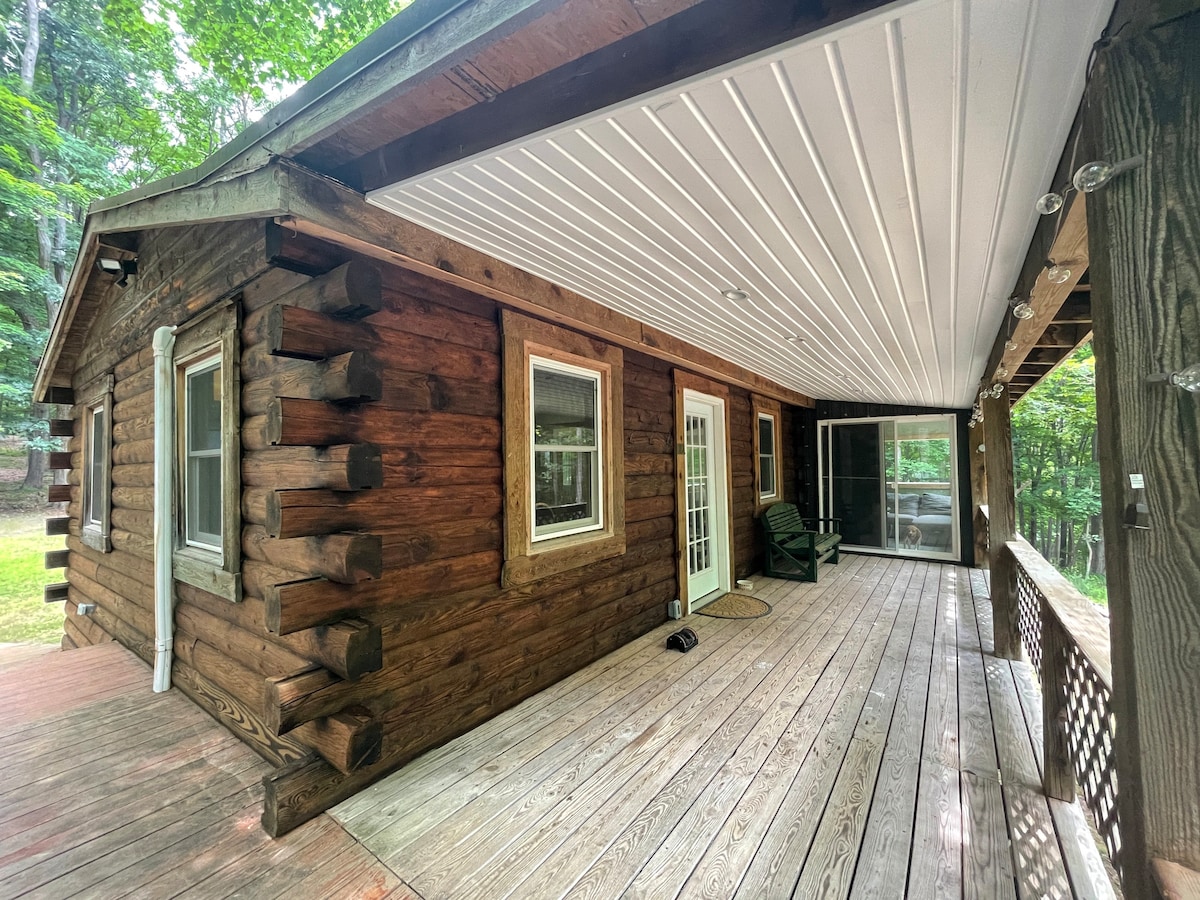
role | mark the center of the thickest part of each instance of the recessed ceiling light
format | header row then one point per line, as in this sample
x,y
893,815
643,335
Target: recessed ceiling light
x,y
735,294
795,339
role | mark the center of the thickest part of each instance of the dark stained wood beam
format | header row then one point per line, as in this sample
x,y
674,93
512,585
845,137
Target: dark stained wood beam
x,y
692,41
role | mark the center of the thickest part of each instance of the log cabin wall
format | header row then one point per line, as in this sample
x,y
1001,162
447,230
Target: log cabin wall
x,y
222,650
372,624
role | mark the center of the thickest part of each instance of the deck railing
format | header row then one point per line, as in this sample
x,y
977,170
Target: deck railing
x,y
1066,637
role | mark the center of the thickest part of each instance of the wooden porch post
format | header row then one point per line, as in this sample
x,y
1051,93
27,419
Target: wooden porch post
x,y
1002,513
978,496
1145,249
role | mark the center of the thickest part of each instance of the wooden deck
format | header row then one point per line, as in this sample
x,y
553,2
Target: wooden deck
x,y
859,741
110,790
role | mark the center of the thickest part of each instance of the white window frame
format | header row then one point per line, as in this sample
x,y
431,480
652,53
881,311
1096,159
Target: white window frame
x,y
95,512
198,367
209,339
599,475
772,455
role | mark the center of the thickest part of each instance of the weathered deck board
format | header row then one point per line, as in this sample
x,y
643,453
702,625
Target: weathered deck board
x,y
849,744
108,789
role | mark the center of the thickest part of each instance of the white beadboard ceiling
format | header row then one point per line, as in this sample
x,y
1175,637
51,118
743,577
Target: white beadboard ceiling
x,y
870,186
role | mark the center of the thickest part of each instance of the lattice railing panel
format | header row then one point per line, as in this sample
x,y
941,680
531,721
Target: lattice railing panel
x,y
1029,616
1091,728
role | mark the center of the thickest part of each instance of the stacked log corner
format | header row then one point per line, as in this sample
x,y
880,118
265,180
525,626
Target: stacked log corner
x,y
332,368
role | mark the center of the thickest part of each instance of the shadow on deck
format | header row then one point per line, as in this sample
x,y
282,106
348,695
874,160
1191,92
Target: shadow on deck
x,y
859,741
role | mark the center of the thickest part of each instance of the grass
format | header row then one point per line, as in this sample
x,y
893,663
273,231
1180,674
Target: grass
x,y
23,615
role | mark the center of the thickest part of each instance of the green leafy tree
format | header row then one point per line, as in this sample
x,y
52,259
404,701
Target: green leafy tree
x,y
98,96
1057,477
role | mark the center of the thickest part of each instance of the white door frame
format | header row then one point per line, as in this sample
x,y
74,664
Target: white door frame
x,y
720,508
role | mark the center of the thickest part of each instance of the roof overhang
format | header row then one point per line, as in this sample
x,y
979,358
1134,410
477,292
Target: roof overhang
x,y
869,185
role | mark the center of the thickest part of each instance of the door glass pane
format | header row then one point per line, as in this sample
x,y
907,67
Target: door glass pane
x,y
924,493
857,482
699,507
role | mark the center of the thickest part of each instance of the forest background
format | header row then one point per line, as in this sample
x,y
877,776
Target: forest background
x,y
101,96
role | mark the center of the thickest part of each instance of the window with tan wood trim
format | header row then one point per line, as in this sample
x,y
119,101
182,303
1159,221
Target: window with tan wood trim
x,y
96,483
564,471
768,451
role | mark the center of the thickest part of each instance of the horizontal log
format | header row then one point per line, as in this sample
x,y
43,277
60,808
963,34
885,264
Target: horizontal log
x,y
649,464
131,566
305,604
139,545
133,497
135,407
307,334
348,741
289,699
59,460
353,377
137,429
55,593
134,363
255,652
137,383
351,291
409,545
639,486
62,427
291,422
58,525
57,559
350,648
344,558
133,452
639,509
66,643
648,442
59,493
343,467
136,475
135,521
288,514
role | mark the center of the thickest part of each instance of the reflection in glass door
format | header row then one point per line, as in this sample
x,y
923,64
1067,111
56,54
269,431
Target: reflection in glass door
x,y
891,481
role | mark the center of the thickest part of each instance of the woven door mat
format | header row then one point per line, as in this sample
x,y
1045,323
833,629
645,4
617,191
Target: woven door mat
x,y
735,606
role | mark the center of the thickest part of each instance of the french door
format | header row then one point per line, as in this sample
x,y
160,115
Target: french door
x,y
706,517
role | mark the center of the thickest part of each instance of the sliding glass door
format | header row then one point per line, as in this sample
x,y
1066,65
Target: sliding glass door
x,y
891,482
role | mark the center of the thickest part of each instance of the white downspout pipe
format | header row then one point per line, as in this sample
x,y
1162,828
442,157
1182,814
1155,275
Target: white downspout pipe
x,y
164,505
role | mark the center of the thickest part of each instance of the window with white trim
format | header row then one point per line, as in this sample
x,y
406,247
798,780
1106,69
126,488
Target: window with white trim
x,y
767,487
96,483
202,455
566,437
208,459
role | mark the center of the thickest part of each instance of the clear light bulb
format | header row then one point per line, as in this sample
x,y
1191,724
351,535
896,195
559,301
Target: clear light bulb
x,y
1010,345
1092,176
1058,274
1023,310
1188,379
972,424
997,390
1002,371
1049,203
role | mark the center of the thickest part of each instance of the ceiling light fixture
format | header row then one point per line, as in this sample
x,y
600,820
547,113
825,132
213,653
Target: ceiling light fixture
x,y
1010,345
1022,309
1096,174
737,295
795,339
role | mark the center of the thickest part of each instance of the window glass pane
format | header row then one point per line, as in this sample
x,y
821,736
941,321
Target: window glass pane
x,y
204,499
564,490
204,409
95,490
564,408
